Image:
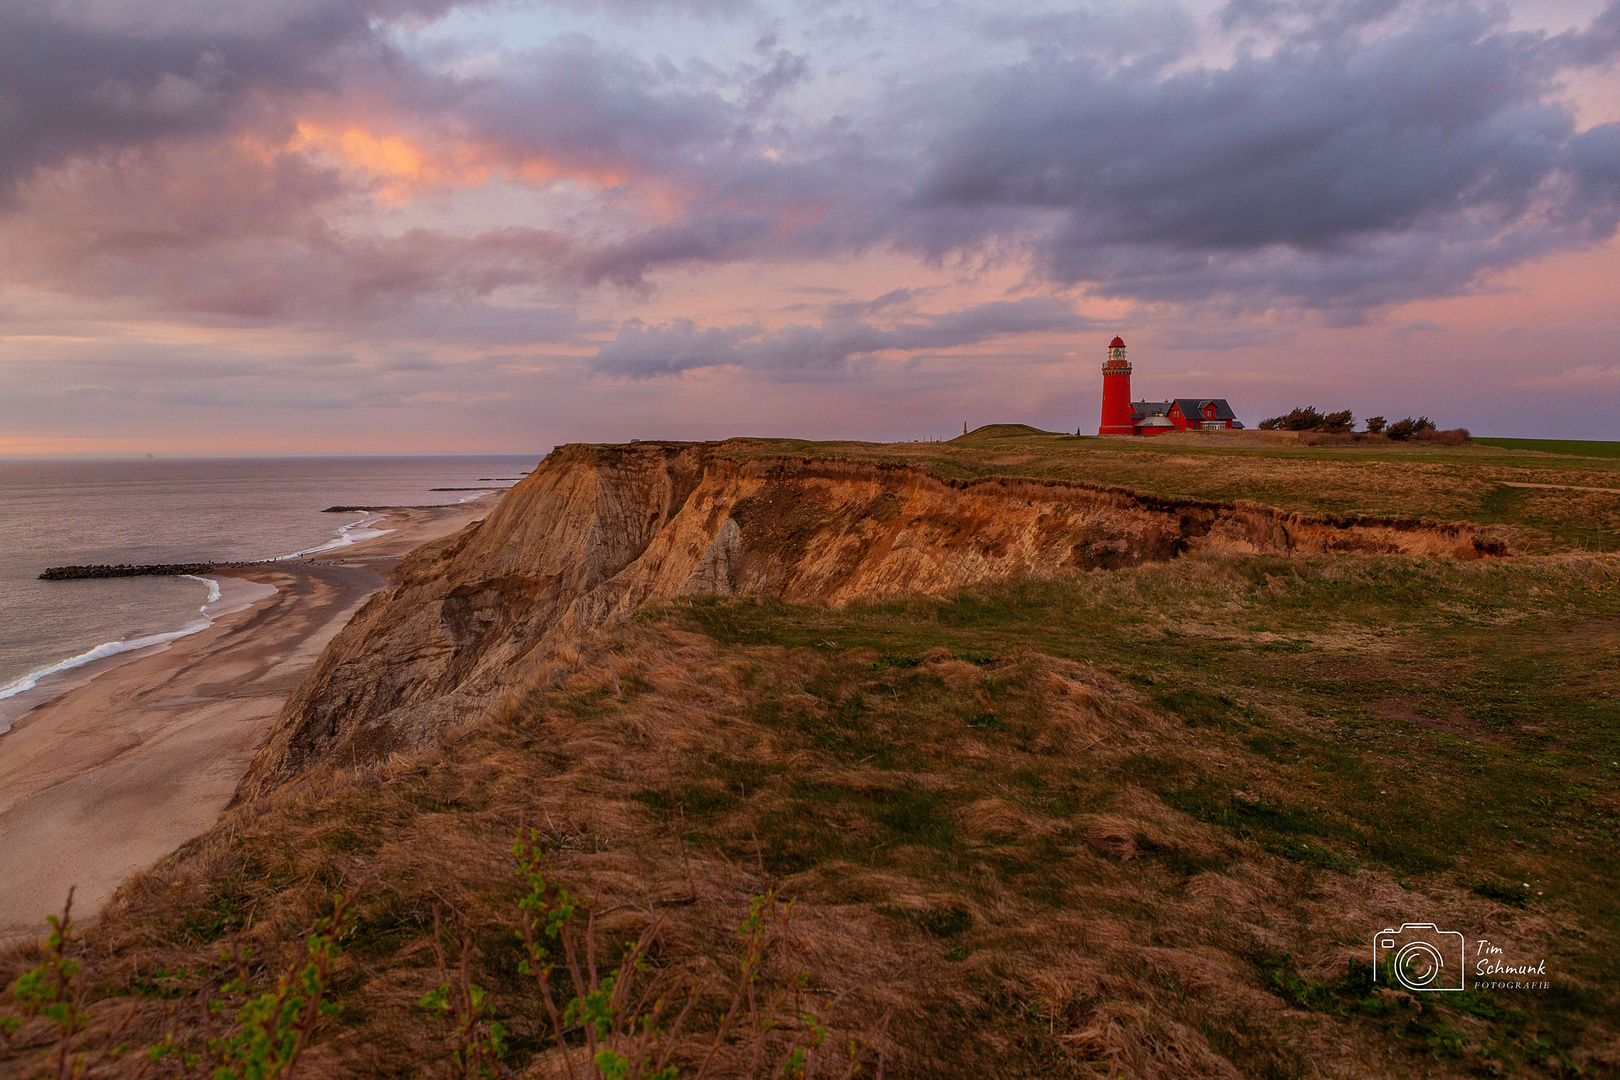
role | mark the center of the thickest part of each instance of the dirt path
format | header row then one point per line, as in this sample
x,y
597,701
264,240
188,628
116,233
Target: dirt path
x,y
1559,487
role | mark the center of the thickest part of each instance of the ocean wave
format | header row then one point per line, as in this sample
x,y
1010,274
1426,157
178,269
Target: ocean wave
x,y
113,648
352,533
213,591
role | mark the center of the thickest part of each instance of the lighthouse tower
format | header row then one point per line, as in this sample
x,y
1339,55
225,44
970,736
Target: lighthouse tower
x,y
1116,403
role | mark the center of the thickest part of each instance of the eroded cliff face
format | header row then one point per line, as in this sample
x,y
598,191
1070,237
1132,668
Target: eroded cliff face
x,y
595,533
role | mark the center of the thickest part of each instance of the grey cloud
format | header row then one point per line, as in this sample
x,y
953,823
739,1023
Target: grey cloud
x,y
587,105
785,71
640,351
1334,175
255,251
716,238
839,203
1353,166
251,238
638,10
1419,326
412,362
347,278
1597,44
1307,20
894,298
1240,337
78,80
1107,31
1594,157
151,19
209,375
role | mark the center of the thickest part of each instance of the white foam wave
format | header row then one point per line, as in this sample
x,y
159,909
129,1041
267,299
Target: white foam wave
x,y
352,533
213,590
113,648
100,652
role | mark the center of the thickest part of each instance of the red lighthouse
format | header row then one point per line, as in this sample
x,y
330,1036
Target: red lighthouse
x,y
1117,416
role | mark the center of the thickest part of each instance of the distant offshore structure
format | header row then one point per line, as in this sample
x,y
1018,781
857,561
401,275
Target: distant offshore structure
x,y
1122,416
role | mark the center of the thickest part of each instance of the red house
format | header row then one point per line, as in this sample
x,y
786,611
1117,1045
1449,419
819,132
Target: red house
x,y
1122,416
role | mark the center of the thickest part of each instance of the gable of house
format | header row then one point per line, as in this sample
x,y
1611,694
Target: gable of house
x,y
1200,407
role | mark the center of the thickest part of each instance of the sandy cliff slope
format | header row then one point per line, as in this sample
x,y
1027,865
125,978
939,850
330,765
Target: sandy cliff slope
x,y
596,532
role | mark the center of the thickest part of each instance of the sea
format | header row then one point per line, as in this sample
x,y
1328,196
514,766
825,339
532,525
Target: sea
x,y
57,513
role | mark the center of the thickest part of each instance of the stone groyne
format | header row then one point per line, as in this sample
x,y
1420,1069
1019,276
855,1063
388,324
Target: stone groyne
x,y
431,506
76,573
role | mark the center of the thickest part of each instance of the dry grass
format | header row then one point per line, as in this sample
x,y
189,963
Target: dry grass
x,y
1460,483
1136,822
978,844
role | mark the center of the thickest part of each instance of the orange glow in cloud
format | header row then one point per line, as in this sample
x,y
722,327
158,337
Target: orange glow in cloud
x,y
406,165
541,171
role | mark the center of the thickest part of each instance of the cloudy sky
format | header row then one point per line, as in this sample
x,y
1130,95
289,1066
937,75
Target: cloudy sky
x,y
315,226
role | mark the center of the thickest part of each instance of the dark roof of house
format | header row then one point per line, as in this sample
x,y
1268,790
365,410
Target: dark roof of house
x,y
1190,407
1195,407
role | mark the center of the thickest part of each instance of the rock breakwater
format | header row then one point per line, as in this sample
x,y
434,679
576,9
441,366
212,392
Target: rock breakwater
x,y
76,573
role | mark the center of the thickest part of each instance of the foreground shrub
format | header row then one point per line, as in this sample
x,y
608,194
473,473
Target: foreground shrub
x,y
623,1023
615,1021
53,992
262,1034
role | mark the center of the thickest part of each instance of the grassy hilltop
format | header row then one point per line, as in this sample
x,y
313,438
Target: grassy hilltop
x,y
1415,479
1137,822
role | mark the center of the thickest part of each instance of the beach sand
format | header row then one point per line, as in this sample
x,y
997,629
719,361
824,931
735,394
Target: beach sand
x,y
112,775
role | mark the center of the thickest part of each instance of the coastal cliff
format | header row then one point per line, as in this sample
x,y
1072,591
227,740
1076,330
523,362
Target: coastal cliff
x,y
596,532
1060,778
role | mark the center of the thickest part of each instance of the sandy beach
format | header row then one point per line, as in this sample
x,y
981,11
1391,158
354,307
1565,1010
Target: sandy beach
x,y
125,766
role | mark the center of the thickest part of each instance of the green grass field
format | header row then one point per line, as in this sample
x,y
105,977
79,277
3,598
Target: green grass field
x,y
1453,728
1465,483
1124,819
1137,822
1574,447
